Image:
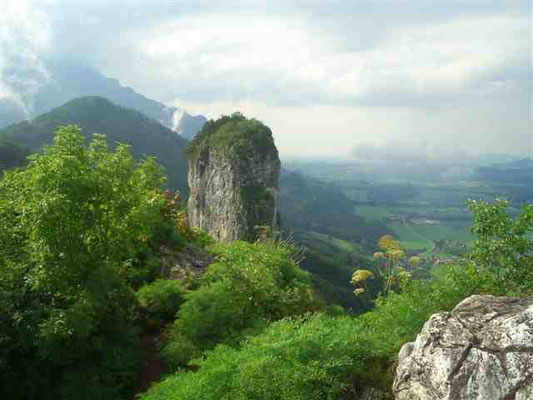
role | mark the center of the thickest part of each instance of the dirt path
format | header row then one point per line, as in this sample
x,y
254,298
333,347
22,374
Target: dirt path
x,y
151,364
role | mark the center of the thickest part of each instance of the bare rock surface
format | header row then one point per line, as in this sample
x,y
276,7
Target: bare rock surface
x,y
482,350
182,264
235,190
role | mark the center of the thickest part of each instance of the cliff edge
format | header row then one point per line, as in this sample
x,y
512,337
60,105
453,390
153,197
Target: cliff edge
x,y
233,177
482,350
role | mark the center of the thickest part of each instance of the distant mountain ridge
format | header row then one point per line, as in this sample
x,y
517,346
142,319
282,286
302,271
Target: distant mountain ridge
x,y
96,114
68,81
190,125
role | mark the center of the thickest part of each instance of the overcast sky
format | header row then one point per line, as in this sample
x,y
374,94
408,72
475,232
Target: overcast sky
x,y
331,78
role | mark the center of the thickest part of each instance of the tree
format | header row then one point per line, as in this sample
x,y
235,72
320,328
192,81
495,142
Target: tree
x,y
72,222
247,286
503,248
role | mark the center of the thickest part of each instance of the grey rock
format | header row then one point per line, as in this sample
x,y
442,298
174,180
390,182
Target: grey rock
x,y
371,393
184,264
482,350
231,196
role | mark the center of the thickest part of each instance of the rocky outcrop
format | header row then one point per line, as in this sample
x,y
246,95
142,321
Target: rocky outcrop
x,y
482,350
371,393
234,180
185,264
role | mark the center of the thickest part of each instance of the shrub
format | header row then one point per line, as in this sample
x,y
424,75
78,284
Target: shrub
x,y
247,285
71,224
161,300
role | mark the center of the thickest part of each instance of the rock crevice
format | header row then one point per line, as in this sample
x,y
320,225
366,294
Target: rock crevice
x,y
481,350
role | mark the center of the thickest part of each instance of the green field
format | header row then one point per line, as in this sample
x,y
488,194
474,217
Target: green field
x,y
418,236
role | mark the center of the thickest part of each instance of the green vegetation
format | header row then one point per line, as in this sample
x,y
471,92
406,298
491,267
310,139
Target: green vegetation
x,y
72,223
337,240
248,286
161,300
12,156
233,134
326,357
83,228
96,114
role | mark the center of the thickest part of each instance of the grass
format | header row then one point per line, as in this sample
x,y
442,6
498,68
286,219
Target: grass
x,y
331,240
372,213
419,237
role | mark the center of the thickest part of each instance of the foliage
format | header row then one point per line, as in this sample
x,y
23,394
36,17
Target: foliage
x,y
503,247
303,358
331,357
389,264
161,300
12,156
232,134
71,223
247,285
318,356
96,114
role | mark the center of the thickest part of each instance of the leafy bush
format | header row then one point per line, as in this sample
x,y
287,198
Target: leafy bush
x,y
161,300
317,356
247,285
504,246
328,357
72,222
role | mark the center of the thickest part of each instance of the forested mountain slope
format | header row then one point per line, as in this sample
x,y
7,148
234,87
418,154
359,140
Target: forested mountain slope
x,y
97,114
63,83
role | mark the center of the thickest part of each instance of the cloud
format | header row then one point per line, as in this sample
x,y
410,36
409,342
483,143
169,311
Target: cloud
x,y
398,151
24,39
324,75
287,61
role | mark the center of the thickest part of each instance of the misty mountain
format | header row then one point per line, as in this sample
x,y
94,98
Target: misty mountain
x,y
11,156
190,125
10,112
99,115
69,80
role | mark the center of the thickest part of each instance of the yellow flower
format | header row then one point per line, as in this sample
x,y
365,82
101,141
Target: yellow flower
x,y
361,275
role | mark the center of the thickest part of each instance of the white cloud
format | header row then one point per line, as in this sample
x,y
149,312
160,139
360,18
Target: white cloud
x,y
24,38
286,60
324,75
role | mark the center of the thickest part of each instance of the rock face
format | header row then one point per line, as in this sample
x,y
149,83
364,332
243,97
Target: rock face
x,y
234,179
482,350
189,262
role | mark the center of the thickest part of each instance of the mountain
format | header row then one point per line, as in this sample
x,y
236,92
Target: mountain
x,y
11,156
190,125
69,80
10,112
97,114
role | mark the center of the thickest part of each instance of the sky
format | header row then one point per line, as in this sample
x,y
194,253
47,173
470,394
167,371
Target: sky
x,y
417,78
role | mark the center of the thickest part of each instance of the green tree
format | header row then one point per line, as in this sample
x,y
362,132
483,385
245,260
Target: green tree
x,y
72,221
503,248
248,285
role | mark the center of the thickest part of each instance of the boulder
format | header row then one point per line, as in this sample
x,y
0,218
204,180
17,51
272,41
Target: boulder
x,y
482,350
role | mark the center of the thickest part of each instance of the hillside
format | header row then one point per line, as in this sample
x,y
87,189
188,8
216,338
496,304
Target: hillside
x,y
64,84
190,125
97,114
11,156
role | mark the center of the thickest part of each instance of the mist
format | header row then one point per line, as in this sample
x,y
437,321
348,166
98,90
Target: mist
x,y
368,81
